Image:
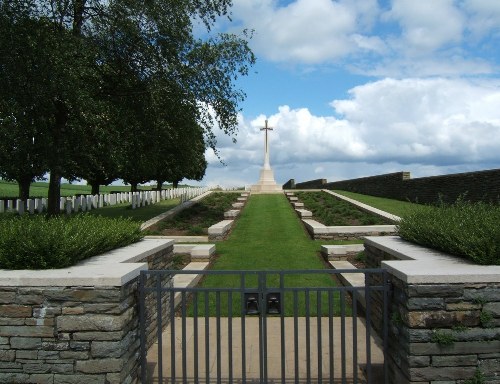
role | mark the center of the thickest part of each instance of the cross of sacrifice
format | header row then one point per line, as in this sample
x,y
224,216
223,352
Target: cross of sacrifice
x,y
266,149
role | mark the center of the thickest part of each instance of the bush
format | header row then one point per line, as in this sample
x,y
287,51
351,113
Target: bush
x,y
463,229
37,242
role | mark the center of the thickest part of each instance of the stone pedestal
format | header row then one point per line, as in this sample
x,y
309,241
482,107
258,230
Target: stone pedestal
x,y
266,183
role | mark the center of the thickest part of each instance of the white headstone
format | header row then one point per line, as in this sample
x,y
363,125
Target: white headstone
x,y
69,206
20,206
31,206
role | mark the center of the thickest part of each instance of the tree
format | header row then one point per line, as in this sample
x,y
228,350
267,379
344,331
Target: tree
x,y
133,57
21,127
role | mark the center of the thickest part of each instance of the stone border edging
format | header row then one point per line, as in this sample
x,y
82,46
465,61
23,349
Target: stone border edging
x,y
417,264
113,268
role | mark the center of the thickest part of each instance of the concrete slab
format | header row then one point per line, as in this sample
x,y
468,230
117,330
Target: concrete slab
x,y
298,205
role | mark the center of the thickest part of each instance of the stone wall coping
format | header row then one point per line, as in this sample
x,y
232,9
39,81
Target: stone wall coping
x,y
421,265
376,211
319,228
220,227
113,268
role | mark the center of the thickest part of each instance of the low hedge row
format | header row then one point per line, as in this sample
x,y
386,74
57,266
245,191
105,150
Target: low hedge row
x,y
37,242
464,229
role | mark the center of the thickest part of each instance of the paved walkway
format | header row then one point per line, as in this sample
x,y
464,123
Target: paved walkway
x,y
353,350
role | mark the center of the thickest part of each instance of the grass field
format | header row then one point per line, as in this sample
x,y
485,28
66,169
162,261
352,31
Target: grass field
x,y
40,189
269,236
396,207
141,214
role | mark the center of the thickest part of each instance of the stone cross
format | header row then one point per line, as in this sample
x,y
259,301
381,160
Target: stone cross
x,y
266,148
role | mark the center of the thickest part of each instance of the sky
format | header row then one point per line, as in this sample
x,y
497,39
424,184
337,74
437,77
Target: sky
x,y
356,88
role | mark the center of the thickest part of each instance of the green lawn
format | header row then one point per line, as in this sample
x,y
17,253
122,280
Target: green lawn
x,y
40,189
141,214
269,236
396,207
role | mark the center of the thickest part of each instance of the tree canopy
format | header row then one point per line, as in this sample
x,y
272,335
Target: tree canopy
x,y
102,90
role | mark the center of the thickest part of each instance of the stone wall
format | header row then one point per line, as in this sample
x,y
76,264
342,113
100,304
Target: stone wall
x,y
311,184
444,325
290,184
53,331
478,186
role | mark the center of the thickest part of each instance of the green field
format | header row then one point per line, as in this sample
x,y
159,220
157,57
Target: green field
x,y
40,189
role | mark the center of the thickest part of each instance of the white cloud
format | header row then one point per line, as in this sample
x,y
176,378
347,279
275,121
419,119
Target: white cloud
x,y
426,25
306,31
435,124
410,38
484,16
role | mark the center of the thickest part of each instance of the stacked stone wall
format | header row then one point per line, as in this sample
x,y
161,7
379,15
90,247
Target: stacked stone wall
x,y
74,334
312,184
440,333
477,186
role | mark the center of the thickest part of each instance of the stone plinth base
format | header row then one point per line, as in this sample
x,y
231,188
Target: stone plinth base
x,y
266,183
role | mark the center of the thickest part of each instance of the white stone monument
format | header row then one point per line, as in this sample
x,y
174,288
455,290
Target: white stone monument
x,y
266,183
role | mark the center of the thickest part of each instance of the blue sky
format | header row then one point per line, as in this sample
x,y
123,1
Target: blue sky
x,y
363,87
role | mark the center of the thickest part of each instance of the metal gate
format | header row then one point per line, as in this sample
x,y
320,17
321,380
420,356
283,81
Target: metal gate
x,y
264,327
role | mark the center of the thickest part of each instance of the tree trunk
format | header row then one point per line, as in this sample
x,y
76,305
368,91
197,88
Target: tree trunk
x,y
54,197
95,187
159,185
24,188
133,187
175,183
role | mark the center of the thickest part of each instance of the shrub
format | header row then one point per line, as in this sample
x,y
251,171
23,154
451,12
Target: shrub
x,y
37,242
463,229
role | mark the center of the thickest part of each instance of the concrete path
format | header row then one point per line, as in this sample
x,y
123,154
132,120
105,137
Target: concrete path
x,y
252,366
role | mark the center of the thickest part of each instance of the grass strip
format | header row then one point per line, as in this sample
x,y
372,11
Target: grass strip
x,y
396,207
140,215
268,236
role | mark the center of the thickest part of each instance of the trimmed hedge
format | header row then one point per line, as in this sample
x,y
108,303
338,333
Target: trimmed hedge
x,y
464,229
37,242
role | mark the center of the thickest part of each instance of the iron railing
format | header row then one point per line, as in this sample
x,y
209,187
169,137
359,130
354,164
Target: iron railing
x,y
260,327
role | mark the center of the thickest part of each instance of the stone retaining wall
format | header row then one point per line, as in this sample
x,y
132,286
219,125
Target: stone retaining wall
x,y
52,331
478,186
444,315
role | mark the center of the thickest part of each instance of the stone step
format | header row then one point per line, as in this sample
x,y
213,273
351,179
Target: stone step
x,y
340,252
304,213
188,280
220,230
231,214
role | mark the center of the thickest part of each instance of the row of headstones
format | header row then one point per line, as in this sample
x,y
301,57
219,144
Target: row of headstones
x,y
86,203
